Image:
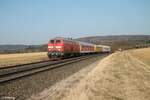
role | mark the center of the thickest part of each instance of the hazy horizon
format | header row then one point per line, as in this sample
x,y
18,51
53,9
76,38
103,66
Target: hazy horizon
x,y
75,38
35,21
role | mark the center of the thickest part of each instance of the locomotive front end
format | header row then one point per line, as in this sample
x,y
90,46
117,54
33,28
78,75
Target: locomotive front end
x,y
55,48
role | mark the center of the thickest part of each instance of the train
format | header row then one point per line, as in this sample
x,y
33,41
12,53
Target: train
x,y
60,47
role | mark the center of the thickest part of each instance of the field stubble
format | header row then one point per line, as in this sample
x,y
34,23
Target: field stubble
x,y
22,58
120,76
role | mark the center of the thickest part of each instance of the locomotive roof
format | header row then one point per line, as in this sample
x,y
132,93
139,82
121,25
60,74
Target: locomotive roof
x,y
62,38
83,43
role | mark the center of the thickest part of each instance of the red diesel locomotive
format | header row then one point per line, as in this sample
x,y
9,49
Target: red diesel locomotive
x,y
62,47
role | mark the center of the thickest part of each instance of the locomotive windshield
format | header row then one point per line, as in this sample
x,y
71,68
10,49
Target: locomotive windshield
x,y
57,41
52,41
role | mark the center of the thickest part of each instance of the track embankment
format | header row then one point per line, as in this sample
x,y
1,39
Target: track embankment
x,y
120,76
24,87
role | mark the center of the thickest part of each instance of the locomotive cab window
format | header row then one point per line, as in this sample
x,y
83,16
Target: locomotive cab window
x,y
52,41
58,41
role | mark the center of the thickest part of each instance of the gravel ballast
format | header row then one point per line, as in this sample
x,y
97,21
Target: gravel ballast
x,y
25,87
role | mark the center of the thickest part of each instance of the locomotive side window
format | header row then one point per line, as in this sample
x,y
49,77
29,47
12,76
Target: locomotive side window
x,y
52,41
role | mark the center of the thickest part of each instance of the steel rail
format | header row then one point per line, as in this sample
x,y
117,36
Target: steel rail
x,y
13,73
25,67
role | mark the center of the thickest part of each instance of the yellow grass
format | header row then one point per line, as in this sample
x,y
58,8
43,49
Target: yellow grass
x,y
120,76
14,59
142,54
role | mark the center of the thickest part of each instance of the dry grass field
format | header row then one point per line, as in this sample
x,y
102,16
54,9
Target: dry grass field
x,y
142,54
14,59
120,76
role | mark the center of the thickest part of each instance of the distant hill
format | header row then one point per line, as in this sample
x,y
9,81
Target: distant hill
x,y
12,47
22,48
118,41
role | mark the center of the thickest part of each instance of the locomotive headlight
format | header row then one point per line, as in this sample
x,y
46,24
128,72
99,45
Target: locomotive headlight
x,y
50,47
58,47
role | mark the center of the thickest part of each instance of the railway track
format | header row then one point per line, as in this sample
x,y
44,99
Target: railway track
x,y
14,72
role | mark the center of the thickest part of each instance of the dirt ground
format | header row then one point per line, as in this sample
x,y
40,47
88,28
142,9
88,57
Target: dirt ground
x,y
22,58
120,76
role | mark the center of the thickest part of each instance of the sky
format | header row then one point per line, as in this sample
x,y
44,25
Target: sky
x,y
36,21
